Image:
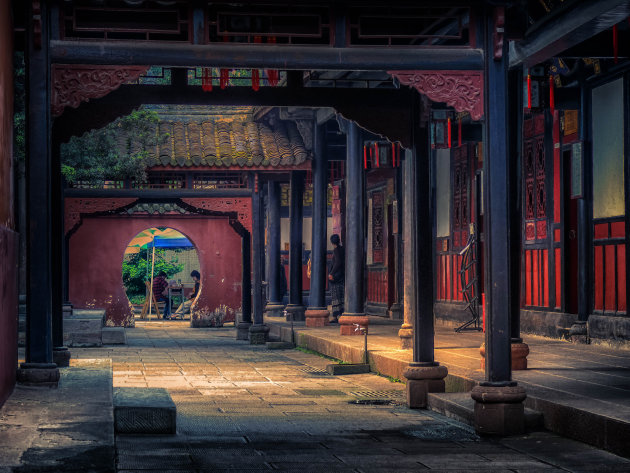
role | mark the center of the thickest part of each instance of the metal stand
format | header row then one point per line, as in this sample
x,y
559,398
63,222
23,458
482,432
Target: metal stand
x,y
469,276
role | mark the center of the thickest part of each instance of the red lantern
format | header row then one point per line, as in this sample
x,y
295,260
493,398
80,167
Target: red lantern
x,y
552,98
206,80
448,123
529,91
364,157
376,154
255,80
224,78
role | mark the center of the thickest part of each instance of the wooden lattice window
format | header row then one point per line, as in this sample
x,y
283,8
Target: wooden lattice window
x,y
163,180
534,173
461,217
378,230
219,180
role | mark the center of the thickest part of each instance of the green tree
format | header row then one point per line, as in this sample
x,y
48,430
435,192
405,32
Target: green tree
x,y
137,269
115,152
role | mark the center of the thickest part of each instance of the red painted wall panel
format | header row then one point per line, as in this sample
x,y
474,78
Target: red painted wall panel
x,y
621,278
618,229
558,261
610,288
96,254
556,166
598,271
536,274
449,282
600,232
545,276
528,278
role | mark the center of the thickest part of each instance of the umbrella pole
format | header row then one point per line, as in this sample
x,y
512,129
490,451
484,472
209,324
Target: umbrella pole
x,y
151,290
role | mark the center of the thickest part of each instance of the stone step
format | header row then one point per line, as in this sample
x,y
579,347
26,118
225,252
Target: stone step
x,y
144,411
114,336
84,328
347,368
279,345
461,407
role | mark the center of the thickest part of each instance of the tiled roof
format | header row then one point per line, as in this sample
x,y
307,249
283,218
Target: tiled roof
x,y
224,143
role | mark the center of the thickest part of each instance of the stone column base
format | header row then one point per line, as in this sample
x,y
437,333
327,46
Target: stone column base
x,y
578,333
38,374
295,312
395,312
61,357
258,334
242,330
422,380
348,322
519,355
499,410
273,309
406,336
316,317
67,310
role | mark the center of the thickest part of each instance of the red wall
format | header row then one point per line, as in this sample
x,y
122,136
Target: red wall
x,y
96,253
8,238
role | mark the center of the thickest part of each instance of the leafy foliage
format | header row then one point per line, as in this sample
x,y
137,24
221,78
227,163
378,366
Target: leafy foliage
x,y
115,152
137,269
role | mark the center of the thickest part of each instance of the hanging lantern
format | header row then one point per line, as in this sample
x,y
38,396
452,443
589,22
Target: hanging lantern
x,y
529,91
616,42
255,80
393,155
364,157
273,75
448,125
376,154
206,80
552,98
224,78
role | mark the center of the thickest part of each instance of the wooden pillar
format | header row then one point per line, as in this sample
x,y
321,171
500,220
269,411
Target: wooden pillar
x,y
39,367
274,307
258,331
424,374
295,309
409,251
242,330
317,313
498,400
355,239
61,355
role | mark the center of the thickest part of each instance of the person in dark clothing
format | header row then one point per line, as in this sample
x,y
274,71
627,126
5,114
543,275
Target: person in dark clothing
x,y
160,287
336,277
185,306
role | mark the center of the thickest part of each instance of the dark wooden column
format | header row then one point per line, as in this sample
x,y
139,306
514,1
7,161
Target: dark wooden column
x,y
295,309
424,374
242,332
505,415
39,367
257,331
584,212
274,307
61,355
355,223
317,299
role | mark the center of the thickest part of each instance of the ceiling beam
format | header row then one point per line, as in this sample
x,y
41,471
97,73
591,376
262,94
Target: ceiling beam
x,y
265,56
575,25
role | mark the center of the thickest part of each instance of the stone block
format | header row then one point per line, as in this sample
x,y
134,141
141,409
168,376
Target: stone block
x,y
38,374
344,369
418,390
242,330
144,411
278,345
295,313
258,334
114,336
61,357
349,324
500,419
316,317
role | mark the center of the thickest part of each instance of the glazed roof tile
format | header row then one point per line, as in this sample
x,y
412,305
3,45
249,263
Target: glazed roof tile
x,y
225,143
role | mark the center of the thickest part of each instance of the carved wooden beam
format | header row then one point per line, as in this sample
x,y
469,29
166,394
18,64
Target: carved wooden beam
x,y
74,84
462,90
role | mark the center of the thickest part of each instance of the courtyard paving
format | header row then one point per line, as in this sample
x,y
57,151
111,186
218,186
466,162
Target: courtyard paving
x,y
248,408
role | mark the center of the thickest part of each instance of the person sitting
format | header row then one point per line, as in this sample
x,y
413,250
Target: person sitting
x,y
160,292
185,306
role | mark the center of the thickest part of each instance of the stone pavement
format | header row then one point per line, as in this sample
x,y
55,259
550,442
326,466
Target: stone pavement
x,y
583,391
247,408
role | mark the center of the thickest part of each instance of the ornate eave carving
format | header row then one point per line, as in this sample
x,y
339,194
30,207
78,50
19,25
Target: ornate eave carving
x,y
242,206
73,84
74,209
462,90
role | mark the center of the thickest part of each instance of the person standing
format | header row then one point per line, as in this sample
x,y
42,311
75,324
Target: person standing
x,y
336,277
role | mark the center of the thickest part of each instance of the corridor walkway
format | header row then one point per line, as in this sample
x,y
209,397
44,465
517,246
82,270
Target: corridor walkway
x,y
244,408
